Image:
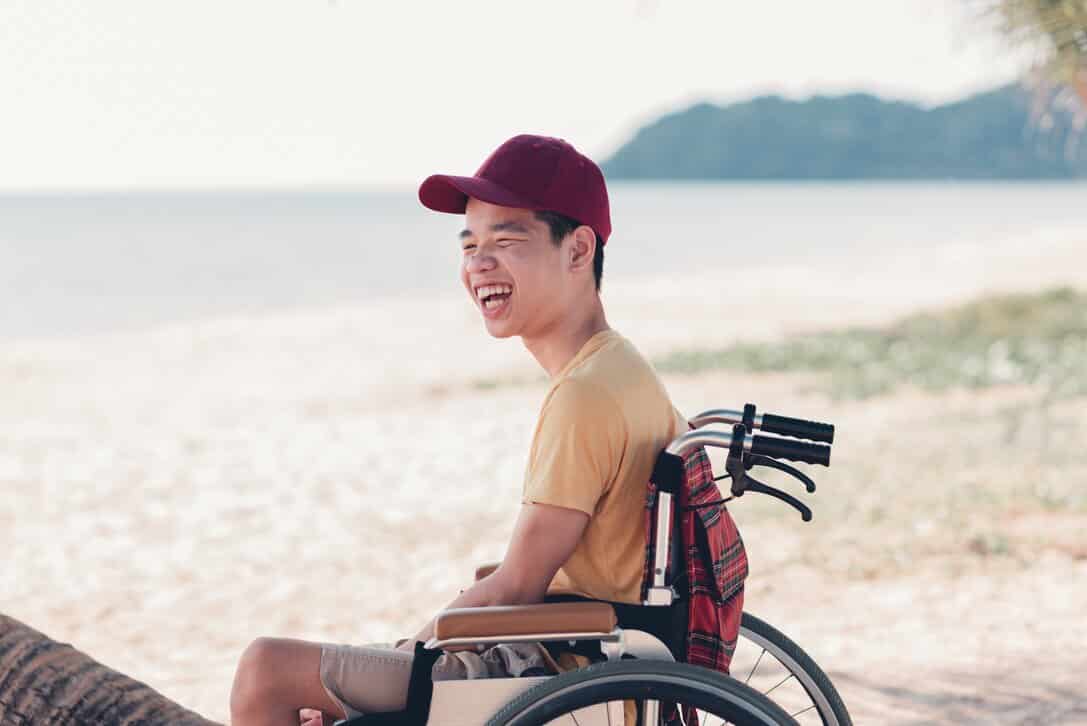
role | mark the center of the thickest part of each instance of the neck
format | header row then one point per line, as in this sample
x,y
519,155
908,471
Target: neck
x,y
557,346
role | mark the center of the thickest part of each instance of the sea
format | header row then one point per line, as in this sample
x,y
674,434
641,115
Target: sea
x,y
78,264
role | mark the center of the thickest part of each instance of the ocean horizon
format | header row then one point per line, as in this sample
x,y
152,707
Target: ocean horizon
x,y
75,263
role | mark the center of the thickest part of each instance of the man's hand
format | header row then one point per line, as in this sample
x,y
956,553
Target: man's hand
x,y
313,717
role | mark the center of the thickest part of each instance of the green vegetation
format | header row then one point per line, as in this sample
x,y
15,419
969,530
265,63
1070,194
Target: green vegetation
x,y
1056,28
1027,339
991,135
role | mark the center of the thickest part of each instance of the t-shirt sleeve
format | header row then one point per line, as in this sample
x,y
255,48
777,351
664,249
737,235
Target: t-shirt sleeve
x,y
576,450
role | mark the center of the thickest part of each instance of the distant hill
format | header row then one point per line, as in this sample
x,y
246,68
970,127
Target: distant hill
x,y
859,136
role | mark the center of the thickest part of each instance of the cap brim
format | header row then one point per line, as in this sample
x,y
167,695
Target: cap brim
x,y
445,193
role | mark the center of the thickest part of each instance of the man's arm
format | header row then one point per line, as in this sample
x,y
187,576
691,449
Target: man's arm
x,y
544,537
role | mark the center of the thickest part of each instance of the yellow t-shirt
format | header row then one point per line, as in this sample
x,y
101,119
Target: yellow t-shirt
x,y
603,422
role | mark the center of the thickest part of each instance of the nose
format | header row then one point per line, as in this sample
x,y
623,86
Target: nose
x,y
480,262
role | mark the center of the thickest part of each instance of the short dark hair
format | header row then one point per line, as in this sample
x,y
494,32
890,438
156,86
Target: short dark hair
x,y
561,225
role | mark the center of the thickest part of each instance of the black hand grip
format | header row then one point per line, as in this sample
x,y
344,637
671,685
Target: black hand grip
x,y
777,448
798,427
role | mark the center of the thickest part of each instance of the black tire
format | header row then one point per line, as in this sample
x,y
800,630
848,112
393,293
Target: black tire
x,y
659,680
824,695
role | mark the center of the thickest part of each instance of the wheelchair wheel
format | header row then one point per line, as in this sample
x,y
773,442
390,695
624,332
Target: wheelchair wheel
x,y
771,663
596,695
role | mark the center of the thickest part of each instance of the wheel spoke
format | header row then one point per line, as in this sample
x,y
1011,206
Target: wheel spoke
x,y
723,701
791,675
757,661
785,654
803,710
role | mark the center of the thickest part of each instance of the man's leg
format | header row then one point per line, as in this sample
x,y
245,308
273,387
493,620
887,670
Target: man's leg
x,y
275,678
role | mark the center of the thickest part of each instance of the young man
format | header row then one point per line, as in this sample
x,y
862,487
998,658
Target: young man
x,y
536,221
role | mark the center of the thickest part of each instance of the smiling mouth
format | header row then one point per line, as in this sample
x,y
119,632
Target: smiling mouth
x,y
491,298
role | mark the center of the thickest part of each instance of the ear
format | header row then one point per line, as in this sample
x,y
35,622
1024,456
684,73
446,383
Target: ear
x,y
582,248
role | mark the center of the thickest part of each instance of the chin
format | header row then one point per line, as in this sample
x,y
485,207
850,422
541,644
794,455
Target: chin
x,y
500,331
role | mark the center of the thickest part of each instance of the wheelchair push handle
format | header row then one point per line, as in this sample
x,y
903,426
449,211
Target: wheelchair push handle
x,y
790,449
739,443
798,428
771,423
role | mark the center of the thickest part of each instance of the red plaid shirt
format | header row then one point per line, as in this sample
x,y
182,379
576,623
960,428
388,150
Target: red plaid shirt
x,y
715,561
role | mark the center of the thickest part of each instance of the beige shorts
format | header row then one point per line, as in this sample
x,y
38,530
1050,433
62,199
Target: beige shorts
x,y
373,678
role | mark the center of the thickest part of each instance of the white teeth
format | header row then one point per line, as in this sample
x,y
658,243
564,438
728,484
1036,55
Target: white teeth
x,y
486,290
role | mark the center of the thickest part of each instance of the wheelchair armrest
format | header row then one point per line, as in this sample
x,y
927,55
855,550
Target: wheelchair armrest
x,y
486,569
545,620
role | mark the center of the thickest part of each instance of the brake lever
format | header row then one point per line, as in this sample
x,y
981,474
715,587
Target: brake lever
x,y
734,465
754,485
759,460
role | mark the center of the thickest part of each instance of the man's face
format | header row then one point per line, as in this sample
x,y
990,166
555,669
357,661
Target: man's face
x,y
511,269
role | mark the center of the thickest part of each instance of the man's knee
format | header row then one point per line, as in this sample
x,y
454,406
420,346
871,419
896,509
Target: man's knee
x,y
254,680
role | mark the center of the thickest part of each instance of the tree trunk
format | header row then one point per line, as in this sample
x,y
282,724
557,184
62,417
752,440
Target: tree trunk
x,y
46,682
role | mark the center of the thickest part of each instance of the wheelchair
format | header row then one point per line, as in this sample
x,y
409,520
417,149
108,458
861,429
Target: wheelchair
x,y
637,675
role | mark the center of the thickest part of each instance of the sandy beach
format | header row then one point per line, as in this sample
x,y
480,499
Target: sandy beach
x,y
336,474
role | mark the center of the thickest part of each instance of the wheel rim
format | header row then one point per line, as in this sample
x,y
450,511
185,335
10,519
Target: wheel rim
x,y
762,665
610,713
598,699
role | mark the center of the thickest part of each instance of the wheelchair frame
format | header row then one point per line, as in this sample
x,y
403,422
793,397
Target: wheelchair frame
x,y
472,702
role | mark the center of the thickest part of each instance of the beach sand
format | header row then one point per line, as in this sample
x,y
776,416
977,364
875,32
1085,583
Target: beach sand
x,y
169,495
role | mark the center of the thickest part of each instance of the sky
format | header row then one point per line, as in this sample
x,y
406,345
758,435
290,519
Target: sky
x,y
143,94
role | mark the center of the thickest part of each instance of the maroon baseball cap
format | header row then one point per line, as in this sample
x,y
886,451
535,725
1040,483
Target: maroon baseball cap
x,y
529,172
